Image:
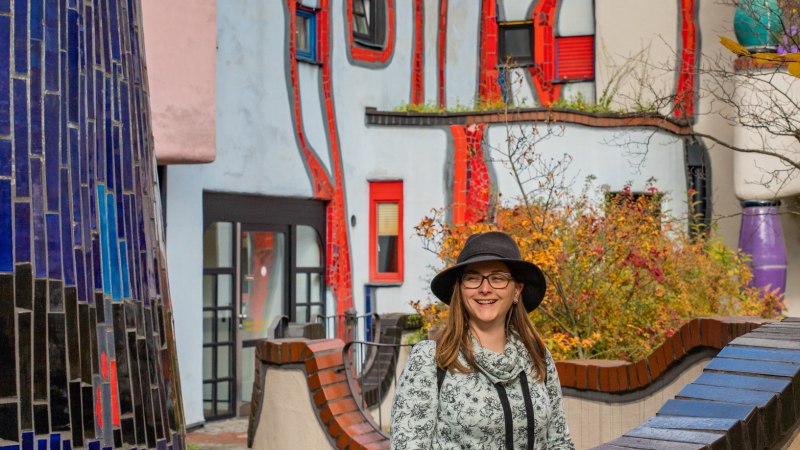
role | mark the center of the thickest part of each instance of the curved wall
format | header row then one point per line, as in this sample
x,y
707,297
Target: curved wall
x,y
87,356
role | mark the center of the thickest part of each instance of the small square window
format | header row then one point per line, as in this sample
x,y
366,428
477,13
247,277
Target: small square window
x,y
516,43
306,35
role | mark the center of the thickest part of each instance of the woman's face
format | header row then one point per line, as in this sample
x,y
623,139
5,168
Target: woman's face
x,y
486,304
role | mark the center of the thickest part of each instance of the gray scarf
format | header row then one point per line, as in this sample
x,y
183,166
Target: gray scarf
x,y
501,367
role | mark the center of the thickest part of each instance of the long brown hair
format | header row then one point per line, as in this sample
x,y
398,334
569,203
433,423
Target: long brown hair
x,y
455,338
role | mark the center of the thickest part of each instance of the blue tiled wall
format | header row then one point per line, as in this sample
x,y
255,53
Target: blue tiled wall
x,y
86,349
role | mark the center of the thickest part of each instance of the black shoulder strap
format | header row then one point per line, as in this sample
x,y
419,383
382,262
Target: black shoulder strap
x,y
440,373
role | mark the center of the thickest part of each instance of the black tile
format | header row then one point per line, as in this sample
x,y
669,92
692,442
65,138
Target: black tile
x,y
128,431
86,329
24,286
88,412
80,275
121,350
117,438
76,413
59,401
24,336
100,307
39,339
41,418
8,328
56,296
93,340
67,253
73,338
138,396
38,219
9,426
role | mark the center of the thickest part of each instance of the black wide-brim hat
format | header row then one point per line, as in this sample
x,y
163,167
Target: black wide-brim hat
x,y
493,246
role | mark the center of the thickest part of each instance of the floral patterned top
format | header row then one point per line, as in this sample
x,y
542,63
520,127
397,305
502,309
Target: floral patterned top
x,y
467,413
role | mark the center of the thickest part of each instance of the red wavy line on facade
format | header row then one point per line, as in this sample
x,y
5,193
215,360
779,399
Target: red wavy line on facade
x,y
543,71
418,64
368,54
321,183
338,254
442,52
471,184
684,98
488,89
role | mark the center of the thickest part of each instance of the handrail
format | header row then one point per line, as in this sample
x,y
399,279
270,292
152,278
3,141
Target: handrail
x,y
356,390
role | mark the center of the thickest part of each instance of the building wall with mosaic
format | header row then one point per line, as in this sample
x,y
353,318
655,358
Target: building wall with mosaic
x,y
86,338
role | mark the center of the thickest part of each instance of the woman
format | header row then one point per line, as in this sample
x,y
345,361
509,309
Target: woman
x,y
488,381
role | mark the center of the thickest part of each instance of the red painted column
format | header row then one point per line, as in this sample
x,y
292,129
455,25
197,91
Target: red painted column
x,y
685,90
418,63
471,183
442,53
488,89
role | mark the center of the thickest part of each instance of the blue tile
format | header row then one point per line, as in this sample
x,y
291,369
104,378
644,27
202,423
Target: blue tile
x,y
115,148
6,228
55,441
51,59
37,202
53,246
41,444
27,440
5,75
104,239
66,232
161,445
21,36
36,98
37,12
109,139
21,155
94,445
90,148
75,182
52,126
22,229
115,37
127,155
5,158
14,446
67,445
72,66
113,248
123,255
64,99
5,6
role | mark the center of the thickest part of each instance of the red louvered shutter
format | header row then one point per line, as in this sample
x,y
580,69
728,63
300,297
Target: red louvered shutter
x,y
574,58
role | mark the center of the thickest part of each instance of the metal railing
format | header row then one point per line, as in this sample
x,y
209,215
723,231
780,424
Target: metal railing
x,y
371,370
350,326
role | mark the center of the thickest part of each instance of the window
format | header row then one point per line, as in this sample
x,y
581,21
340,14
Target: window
x,y
516,43
574,58
368,22
385,231
306,34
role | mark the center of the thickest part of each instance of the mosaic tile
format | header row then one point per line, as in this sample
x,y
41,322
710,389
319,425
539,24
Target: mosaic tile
x,y
93,341
8,375
67,254
80,275
38,220
76,413
9,447
72,346
39,355
73,47
21,155
21,36
41,418
27,440
23,286
113,249
59,400
62,60
5,146
87,395
51,64
35,103
117,438
85,345
95,445
22,231
6,227
53,221
5,75
55,441
25,370
41,444
128,432
52,139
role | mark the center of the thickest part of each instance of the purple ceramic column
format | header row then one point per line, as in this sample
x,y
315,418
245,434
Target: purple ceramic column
x,y
761,236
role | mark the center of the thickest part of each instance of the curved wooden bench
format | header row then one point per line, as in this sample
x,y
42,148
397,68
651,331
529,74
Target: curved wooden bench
x,y
321,360
748,397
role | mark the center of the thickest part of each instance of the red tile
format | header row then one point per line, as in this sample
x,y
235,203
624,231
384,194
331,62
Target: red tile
x,y
622,375
592,377
642,373
677,346
324,361
343,421
324,378
633,379
566,373
580,376
331,392
604,381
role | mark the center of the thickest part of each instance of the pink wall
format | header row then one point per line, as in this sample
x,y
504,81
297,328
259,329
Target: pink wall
x,y
180,43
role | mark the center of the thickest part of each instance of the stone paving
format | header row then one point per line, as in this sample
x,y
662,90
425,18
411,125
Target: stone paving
x,y
228,434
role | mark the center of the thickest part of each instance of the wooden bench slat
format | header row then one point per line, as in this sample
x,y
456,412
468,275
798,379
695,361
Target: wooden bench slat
x,y
768,343
761,354
703,408
671,435
755,383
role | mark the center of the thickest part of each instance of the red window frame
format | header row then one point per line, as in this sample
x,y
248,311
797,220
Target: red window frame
x,y
385,192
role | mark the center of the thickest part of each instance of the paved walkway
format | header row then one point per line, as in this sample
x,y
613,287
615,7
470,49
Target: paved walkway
x,y
228,434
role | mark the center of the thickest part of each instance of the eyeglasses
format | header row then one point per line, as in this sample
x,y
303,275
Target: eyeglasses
x,y
475,280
